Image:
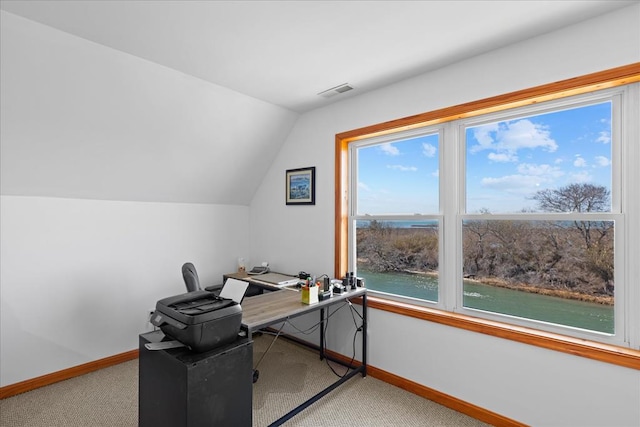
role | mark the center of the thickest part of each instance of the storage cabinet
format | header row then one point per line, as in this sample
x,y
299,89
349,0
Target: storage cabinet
x,y
178,387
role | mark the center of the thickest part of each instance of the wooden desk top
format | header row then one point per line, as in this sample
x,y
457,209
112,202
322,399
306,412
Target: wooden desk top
x,y
266,309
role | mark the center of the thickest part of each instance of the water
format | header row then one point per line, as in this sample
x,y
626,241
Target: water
x,y
579,314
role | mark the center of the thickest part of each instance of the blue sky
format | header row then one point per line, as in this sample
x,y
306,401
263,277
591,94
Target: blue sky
x,y
399,177
507,162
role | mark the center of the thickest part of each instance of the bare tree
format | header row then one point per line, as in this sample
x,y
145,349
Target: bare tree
x,y
598,257
574,198
577,198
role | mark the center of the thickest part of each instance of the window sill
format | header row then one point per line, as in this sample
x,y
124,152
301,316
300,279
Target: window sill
x,y
620,356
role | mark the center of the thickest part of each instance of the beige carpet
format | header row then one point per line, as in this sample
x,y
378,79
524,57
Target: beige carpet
x,y
288,375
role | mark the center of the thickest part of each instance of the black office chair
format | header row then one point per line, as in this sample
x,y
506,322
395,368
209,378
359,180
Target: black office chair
x,y
190,276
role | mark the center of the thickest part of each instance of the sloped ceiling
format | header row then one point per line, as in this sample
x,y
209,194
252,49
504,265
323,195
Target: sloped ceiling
x,y
190,101
81,120
286,52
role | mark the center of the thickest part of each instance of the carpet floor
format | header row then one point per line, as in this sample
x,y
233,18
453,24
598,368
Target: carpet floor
x,y
289,374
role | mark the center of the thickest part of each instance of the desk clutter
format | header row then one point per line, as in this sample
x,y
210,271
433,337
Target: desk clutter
x,y
309,294
315,289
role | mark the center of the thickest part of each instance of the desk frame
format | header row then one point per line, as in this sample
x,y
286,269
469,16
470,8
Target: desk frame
x,y
274,307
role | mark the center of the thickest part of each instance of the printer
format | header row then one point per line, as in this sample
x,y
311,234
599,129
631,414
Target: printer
x,y
198,319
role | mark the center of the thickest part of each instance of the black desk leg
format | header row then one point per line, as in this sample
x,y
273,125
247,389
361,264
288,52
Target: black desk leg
x,y
322,320
364,335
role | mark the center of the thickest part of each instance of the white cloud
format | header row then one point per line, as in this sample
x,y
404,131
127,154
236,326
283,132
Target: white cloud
x,y
502,157
507,138
602,161
483,135
530,177
429,150
389,149
402,168
581,177
526,134
363,186
545,171
604,137
436,173
515,184
579,162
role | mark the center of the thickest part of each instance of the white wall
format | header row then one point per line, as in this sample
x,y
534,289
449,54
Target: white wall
x,y
94,137
78,276
525,383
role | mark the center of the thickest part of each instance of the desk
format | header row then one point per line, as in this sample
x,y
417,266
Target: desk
x,y
274,307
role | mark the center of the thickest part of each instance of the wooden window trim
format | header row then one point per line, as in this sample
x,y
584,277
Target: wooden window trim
x,y
588,83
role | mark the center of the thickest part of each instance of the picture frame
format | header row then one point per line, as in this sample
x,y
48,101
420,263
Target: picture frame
x,y
301,186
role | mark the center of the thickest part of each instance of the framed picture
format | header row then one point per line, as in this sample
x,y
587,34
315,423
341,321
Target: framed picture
x,y
301,186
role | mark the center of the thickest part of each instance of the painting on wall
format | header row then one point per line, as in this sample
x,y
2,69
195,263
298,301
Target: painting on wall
x,y
301,186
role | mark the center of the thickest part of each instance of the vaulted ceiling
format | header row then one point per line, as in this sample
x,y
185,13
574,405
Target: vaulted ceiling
x,y
190,101
286,52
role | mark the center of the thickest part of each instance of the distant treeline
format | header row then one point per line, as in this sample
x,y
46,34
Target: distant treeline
x,y
569,258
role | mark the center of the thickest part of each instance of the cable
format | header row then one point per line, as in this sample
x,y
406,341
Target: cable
x,y
288,321
270,345
314,327
355,334
307,331
355,311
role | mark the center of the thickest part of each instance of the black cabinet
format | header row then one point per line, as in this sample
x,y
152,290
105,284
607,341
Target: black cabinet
x,y
178,387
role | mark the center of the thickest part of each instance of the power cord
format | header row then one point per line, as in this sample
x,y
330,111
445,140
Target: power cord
x,y
312,329
355,334
287,321
270,345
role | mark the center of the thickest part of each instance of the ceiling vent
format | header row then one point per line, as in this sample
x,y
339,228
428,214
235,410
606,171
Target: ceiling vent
x,y
345,87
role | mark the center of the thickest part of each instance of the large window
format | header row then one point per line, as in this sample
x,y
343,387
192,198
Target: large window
x,y
516,216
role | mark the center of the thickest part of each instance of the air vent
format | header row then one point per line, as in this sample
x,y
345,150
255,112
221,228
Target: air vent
x,y
345,87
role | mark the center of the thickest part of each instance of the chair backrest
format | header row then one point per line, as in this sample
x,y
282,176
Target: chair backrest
x,y
190,276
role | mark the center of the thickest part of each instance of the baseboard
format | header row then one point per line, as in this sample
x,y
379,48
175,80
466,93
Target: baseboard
x,y
443,399
410,386
65,374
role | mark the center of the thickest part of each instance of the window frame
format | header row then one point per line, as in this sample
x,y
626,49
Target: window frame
x,y
625,354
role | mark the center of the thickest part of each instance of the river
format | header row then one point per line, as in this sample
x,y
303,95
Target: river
x,y
579,314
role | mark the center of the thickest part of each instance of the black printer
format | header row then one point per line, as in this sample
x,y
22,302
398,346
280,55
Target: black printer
x,y
199,319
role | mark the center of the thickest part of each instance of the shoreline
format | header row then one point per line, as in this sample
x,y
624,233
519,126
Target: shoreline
x,y
559,293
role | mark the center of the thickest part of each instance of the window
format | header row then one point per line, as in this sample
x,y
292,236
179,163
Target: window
x,y
397,217
555,158
515,215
